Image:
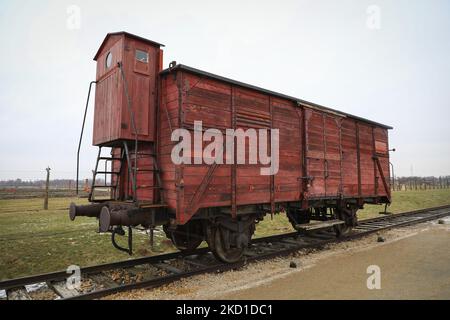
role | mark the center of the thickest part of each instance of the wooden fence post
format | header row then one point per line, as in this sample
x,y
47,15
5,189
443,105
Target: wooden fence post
x,y
47,185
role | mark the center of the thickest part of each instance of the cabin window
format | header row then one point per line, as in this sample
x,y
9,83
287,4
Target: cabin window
x,y
108,60
142,56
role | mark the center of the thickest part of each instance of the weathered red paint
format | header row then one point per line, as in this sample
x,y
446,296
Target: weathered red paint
x,y
112,121
323,154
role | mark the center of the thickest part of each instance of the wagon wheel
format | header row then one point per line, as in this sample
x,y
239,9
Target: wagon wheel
x,y
185,242
221,252
186,238
342,230
350,218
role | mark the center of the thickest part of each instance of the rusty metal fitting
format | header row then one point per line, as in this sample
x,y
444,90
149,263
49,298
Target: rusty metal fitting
x,y
92,210
123,217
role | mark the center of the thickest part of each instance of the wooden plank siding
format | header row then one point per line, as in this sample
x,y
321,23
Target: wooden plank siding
x,y
367,165
382,153
324,154
338,155
112,118
349,158
315,152
287,118
108,94
168,120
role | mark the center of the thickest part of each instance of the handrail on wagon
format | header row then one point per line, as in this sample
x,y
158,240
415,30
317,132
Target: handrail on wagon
x,y
82,131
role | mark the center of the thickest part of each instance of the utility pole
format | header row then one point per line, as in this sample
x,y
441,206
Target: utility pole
x,y
47,185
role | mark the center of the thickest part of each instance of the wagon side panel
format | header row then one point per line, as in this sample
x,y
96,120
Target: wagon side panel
x,y
168,118
349,158
108,94
332,142
315,152
205,185
366,162
382,156
252,112
287,118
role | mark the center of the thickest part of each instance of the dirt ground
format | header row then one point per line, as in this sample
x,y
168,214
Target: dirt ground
x,y
414,263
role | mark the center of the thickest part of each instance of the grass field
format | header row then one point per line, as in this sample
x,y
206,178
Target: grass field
x,y
36,241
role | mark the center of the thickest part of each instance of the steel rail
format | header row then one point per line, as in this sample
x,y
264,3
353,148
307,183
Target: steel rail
x,y
62,274
313,241
226,267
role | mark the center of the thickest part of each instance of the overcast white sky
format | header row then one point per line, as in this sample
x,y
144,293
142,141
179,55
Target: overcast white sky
x,y
323,51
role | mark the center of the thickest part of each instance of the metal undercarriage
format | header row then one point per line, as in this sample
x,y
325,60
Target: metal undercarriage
x,y
226,237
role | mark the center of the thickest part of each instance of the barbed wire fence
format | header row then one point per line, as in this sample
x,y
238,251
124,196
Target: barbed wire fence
x,y
37,179
29,181
33,184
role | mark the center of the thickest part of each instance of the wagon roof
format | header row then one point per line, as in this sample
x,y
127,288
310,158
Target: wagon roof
x,y
246,85
126,34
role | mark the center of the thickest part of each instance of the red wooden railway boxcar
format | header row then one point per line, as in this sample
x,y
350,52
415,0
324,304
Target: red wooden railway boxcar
x,y
330,163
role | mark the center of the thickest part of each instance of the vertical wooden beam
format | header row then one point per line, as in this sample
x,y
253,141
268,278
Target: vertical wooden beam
x,y
325,164
179,168
233,166
272,177
305,180
157,192
389,173
358,155
341,182
375,175
47,186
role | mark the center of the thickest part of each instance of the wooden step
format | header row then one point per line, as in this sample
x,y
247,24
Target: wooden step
x,y
314,226
110,159
104,186
107,172
138,170
152,205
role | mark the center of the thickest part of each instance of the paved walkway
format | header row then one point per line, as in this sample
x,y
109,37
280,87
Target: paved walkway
x,y
417,267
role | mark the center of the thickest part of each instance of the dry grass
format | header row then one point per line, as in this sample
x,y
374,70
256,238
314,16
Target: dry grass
x,y
35,241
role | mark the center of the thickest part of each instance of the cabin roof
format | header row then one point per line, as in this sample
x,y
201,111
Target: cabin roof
x,y
128,35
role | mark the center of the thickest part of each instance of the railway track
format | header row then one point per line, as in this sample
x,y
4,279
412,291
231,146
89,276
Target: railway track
x,y
101,280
